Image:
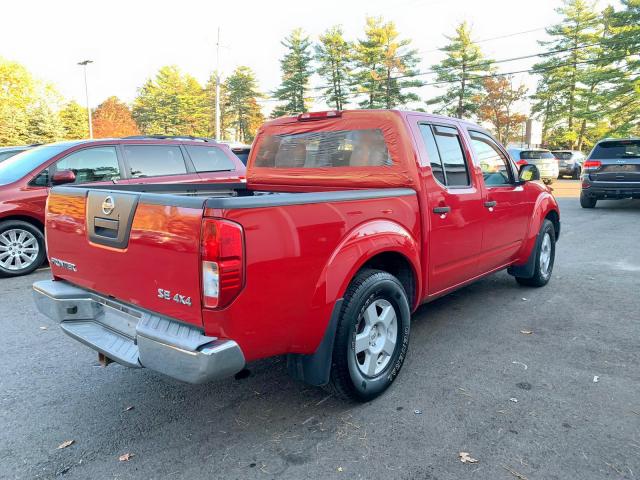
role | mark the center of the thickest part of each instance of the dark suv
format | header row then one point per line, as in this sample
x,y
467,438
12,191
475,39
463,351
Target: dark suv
x,y
25,180
611,171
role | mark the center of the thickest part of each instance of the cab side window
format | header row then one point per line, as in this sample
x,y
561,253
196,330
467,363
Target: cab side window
x,y
446,155
98,164
496,168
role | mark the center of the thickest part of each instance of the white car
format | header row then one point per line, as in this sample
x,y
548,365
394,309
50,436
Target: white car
x,y
546,161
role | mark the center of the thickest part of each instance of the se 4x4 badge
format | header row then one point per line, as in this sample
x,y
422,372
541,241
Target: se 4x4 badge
x,y
181,299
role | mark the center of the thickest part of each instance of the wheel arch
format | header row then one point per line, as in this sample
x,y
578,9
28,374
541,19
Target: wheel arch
x,y
24,218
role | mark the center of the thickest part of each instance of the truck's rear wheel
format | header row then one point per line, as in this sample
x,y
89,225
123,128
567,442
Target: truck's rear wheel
x,y
372,336
22,248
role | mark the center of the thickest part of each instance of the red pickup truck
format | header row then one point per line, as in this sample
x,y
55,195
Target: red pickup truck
x,y
348,222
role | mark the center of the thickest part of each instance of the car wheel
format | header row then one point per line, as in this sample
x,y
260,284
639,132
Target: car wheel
x,y
545,257
372,336
587,201
576,173
22,248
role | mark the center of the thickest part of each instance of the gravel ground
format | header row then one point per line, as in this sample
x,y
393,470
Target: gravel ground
x,y
468,364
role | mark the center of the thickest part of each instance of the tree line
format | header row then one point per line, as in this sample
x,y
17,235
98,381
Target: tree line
x,y
588,71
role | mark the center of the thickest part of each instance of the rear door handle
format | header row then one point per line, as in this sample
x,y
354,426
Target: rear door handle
x,y
490,204
441,210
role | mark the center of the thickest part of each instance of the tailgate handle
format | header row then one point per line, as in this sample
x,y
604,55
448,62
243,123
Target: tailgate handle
x,y
106,227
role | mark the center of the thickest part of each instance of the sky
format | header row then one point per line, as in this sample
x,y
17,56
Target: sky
x,y
130,40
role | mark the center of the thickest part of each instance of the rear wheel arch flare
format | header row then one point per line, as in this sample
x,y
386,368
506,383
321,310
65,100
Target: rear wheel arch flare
x,y
554,218
397,265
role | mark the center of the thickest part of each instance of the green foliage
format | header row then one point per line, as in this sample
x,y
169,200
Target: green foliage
x,y
75,122
335,59
241,110
624,44
17,93
460,72
296,72
172,104
385,67
569,76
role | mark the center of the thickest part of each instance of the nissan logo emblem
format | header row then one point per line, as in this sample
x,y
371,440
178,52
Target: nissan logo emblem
x,y
108,205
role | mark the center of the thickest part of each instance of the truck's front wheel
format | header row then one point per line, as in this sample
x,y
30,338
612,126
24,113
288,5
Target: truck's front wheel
x,y
372,336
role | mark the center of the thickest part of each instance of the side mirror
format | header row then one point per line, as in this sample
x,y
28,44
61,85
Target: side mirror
x,y
63,176
528,173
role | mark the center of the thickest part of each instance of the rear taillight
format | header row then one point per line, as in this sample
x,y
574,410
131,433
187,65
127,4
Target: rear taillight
x,y
521,162
591,164
222,254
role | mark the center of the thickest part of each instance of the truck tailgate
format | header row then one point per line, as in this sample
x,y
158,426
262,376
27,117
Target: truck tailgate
x,y
142,249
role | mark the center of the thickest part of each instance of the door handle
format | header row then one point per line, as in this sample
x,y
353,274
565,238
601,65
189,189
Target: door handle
x,y
490,204
441,210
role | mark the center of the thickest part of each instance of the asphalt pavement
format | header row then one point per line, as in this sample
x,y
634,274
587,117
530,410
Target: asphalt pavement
x,y
533,383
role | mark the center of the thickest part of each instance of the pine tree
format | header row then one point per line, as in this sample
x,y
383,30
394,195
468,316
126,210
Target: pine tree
x,y
113,118
241,107
173,104
563,77
623,45
44,124
385,67
461,74
296,72
334,56
74,121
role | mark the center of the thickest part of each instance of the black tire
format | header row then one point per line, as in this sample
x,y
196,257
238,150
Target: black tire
x,y
9,225
542,275
368,289
576,173
587,201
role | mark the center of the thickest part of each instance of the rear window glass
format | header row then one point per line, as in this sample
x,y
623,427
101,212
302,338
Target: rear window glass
x,y
209,159
563,155
343,148
618,149
535,154
154,160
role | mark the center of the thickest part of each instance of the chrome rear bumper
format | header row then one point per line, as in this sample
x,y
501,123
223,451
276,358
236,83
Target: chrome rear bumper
x,y
136,338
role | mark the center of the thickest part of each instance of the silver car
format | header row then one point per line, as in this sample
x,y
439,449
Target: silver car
x,y
546,161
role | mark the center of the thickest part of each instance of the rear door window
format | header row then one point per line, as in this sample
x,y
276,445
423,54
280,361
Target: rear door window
x,y
154,160
209,159
432,152
616,149
452,156
98,164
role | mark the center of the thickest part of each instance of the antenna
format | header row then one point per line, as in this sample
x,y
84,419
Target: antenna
x,y
218,87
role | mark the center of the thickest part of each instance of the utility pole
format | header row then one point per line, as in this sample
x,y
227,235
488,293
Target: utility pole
x,y
218,87
84,64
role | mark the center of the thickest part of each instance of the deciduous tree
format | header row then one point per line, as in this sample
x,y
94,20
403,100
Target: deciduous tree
x,y
497,106
113,118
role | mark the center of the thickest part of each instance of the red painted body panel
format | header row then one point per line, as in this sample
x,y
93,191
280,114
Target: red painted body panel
x,y
300,258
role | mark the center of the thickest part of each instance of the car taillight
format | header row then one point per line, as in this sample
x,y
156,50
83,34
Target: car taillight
x,y
305,117
521,162
222,253
591,164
